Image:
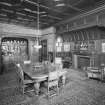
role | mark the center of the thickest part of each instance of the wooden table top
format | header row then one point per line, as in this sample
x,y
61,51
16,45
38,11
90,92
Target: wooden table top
x,y
29,70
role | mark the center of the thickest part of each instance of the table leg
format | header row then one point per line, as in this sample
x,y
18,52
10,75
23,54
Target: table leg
x,y
63,79
102,74
37,86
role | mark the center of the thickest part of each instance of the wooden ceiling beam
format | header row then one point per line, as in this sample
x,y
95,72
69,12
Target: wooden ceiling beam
x,y
26,9
4,3
46,7
8,11
54,17
29,10
77,2
101,3
75,8
96,10
32,20
35,12
28,21
21,14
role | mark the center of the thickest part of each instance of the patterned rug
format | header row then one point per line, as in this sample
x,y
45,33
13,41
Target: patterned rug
x,y
10,96
79,90
10,93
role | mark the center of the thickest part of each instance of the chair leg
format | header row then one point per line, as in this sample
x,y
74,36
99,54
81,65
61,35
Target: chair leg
x,y
37,87
57,89
63,80
19,84
22,87
48,92
23,90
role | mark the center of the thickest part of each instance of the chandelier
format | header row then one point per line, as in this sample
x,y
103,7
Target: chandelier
x,y
37,45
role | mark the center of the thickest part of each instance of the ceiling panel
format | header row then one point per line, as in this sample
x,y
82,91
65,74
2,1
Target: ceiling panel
x,y
24,12
89,4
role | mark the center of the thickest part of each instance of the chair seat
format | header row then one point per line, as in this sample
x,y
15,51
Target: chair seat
x,y
52,83
25,83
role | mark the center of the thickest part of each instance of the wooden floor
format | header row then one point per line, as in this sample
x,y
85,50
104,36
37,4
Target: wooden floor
x,y
79,90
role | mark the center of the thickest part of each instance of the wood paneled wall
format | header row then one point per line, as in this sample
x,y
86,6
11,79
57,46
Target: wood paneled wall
x,y
49,35
92,18
11,30
17,30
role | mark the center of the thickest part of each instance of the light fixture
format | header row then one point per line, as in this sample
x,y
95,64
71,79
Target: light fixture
x,y
37,46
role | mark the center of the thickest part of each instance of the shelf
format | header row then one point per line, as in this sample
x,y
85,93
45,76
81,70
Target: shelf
x,y
14,49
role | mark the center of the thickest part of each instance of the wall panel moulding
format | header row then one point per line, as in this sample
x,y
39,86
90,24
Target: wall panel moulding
x,y
92,18
98,10
84,22
79,21
17,30
8,34
101,19
92,33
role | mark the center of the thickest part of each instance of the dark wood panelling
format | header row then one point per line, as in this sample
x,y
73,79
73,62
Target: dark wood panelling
x,y
83,61
43,50
70,25
90,19
79,21
102,18
92,33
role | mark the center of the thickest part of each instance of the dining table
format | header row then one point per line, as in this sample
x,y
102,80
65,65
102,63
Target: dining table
x,y
41,75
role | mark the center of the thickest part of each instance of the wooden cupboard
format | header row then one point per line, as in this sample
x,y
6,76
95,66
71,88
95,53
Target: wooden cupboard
x,y
13,50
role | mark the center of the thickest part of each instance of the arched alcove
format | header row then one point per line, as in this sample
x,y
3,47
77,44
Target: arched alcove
x,y
14,50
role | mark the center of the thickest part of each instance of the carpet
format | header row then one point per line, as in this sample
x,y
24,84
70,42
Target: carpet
x,y
79,90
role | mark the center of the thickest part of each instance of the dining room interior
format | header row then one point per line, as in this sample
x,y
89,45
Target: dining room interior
x,y
52,52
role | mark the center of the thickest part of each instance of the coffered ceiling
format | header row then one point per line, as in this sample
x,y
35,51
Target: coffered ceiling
x,y
24,12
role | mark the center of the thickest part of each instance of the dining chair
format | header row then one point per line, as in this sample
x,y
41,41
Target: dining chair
x,y
102,69
52,84
27,85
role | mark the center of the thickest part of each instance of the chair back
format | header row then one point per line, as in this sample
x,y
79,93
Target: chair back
x,y
20,72
53,76
58,67
38,68
27,62
53,79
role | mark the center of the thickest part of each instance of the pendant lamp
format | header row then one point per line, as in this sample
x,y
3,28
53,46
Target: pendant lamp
x,y
37,46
